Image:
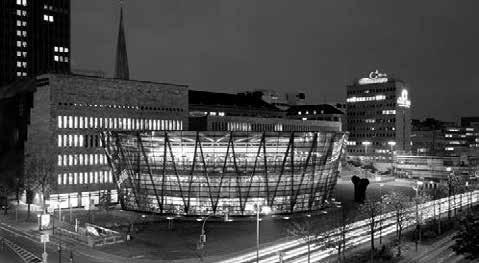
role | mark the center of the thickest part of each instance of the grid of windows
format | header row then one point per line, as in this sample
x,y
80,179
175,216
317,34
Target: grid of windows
x,y
84,122
81,159
92,177
21,38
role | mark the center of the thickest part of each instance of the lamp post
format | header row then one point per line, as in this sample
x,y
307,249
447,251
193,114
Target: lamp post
x,y
202,242
366,144
259,209
392,144
380,209
419,184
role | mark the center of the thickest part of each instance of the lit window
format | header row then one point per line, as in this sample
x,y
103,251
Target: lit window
x,y
70,140
24,23
80,178
59,180
80,140
19,2
70,178
24,2
55,58
91,177
65,160
75,178
45,17
96,177
91,159
60,161
60,49
59,138
70,160
66,49
70,122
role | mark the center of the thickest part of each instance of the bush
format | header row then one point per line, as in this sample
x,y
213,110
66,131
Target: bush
x,y
429,234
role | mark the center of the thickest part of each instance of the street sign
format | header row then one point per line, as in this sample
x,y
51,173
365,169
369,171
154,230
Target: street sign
x,y
44,238
50,209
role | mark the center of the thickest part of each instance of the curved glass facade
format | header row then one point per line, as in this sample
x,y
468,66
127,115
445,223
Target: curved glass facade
x,y
202,173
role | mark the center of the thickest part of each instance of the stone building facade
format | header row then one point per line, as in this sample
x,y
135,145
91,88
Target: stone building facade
x,y
63,136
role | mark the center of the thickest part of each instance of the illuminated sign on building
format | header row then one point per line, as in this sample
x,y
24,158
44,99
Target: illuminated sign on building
x,y
404,101
374,77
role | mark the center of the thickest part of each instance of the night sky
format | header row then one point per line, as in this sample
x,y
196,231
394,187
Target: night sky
x,y
315,46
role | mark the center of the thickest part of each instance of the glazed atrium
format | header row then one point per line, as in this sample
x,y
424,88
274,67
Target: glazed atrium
x,y
203,173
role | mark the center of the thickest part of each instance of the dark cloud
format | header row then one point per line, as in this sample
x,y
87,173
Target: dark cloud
x,y
313,46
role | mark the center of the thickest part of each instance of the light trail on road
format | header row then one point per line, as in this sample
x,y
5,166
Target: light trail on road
x,y
295,251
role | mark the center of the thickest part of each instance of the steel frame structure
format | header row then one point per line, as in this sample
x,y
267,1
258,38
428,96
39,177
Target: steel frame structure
x,y
202,173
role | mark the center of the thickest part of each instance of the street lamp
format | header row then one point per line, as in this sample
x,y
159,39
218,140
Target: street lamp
x,y
418,185
202,242
380,210
392,144
265,210
366,144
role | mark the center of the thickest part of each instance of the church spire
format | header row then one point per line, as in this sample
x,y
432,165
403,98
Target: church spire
x,y
121,64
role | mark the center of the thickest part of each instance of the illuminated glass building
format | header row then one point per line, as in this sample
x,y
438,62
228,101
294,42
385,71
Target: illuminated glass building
x,y
378,117
200,173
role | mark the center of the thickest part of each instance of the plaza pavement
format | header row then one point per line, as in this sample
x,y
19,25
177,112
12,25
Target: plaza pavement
x,y
154,242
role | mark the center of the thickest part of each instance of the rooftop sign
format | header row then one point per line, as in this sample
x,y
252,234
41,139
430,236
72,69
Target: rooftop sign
x,y
404,101
374,77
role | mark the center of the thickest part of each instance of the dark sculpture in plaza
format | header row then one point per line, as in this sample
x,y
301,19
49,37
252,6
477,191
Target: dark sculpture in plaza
x,y
360,185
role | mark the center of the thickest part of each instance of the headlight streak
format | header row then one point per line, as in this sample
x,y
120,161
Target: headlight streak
x,y
295,251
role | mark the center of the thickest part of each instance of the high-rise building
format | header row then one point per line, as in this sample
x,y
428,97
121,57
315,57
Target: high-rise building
x,y
35,38
378,117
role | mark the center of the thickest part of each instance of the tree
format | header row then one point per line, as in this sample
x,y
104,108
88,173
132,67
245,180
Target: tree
x,y
371,209
399,203
304,229
467,238
38,178
336,239
418,200
438,192
105,201
7,183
